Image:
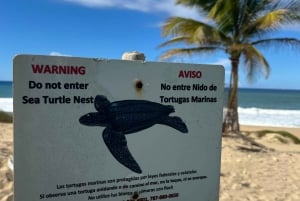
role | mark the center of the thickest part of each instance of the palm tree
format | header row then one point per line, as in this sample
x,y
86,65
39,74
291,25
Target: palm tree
x,y
238,28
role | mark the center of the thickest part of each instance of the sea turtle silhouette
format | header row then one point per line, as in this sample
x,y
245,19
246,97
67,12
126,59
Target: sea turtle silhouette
x,y
125,117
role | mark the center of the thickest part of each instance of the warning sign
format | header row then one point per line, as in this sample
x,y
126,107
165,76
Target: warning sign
x,y
93,129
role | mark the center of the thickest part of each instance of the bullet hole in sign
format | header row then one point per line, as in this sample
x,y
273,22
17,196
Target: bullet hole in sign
x,y
139,85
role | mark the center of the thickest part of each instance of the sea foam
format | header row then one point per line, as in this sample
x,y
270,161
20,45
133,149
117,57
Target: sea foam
x,y
269,117
6,104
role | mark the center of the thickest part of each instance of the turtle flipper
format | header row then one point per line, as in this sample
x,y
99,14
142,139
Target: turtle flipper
x,y
117,145
101,103
176,123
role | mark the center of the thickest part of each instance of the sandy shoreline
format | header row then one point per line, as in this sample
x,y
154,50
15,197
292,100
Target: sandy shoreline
x,y
246,173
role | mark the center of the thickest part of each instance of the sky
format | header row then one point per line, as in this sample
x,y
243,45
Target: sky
x,y
108,28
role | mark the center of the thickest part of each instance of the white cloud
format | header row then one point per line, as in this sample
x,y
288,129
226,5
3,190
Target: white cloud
x,y
224,62
164,6
58,54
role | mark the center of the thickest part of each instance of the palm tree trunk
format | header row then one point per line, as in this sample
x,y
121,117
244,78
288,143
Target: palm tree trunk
x,y
231,120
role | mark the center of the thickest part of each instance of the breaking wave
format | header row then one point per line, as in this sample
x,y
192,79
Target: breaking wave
x,y
269,117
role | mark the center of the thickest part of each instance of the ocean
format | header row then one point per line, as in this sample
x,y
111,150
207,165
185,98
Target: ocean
x,y
6,93
269,107
265,107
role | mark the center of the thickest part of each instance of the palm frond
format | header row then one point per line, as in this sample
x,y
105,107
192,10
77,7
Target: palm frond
x,y
189,51
254,61
272,16
192,31
292,43
269,22
175,26
292,5
180,39
205,5
226,13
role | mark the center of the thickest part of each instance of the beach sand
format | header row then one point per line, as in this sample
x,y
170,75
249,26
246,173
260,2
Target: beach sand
x,y
247,173
6,151
250,174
